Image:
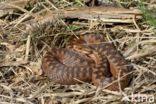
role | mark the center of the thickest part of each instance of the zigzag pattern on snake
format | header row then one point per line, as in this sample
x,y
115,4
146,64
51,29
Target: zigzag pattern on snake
x,y
87,59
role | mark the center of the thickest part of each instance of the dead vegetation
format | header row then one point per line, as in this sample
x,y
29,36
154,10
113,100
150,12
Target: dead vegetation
x,y
27,31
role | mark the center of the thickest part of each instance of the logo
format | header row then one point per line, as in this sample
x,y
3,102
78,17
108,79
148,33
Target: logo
x,y
139,98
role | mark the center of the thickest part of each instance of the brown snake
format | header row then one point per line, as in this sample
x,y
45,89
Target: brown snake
x,y
88,59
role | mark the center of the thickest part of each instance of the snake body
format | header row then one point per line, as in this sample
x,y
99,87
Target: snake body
x,y
88,59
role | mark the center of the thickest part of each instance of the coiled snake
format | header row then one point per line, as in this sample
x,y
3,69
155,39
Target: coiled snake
x,y
87,59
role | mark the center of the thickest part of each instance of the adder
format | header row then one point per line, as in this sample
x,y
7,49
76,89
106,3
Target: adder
x,y
89,59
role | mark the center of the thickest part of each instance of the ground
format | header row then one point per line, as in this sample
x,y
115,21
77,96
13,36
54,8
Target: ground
x,y
25,37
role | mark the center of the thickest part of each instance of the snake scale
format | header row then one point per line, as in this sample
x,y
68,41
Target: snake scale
x,y
88,59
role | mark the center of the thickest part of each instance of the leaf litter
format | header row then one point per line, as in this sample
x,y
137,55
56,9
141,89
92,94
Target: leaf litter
x,y
29,27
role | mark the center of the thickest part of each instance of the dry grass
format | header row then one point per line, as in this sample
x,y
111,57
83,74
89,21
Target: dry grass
x,y
23,42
